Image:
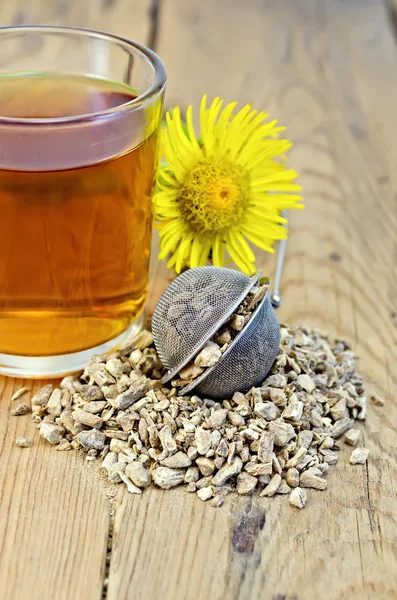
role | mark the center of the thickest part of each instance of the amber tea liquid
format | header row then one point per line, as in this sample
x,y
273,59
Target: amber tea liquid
x,y
75,242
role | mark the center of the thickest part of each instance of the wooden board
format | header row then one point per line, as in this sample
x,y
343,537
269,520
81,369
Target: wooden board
x,y
328,71
54,517
320,68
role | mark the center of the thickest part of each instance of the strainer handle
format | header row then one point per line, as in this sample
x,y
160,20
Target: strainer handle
x,y
276,297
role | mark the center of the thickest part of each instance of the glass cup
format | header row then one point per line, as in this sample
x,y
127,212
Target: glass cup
x,y
80,114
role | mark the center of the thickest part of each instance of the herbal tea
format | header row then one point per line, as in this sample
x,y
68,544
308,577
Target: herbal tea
x,y
75,242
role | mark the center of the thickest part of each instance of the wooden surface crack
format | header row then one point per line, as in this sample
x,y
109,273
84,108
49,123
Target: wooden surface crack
x,y
391,10
154,16
367,483
108,554
360,550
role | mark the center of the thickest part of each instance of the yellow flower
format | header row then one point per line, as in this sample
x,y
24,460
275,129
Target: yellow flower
x,y
223,190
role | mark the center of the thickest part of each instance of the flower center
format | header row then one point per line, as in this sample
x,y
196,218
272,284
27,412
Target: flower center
x,y
214,195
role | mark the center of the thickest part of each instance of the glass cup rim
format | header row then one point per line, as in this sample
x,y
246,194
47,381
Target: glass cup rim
x,y
137,103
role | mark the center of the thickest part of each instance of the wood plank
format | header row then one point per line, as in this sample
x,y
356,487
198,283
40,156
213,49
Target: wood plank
x,y
328,72
54,517
124,17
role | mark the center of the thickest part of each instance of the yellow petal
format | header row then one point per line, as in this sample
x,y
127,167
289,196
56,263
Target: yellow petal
x,y
182,252
258,241
173,225
168,193
203,113
165,177
172,261
218,252
271,199
223,121
278,177
208,134
165,213
205,250
179,145
190,128
247,129
282,187
169,243
233,130
257,212
246,251
195,252
266,228
192,149
173,160
234,250
255,154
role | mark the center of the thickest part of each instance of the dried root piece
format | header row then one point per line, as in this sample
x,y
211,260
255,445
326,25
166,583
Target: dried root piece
x,y
272,486
167,478
138,474
352,436
51,432
217,501
298,497
312,478
18,394
377,400
205,493
22,442
21,409
359,456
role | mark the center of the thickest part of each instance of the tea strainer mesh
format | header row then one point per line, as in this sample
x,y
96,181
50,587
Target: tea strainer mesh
x,y
193,308
247,361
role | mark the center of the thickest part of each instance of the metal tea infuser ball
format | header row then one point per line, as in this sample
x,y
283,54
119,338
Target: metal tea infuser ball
x,y
193,308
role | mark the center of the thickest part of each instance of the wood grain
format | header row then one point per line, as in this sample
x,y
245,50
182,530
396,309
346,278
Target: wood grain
x,y
328,72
